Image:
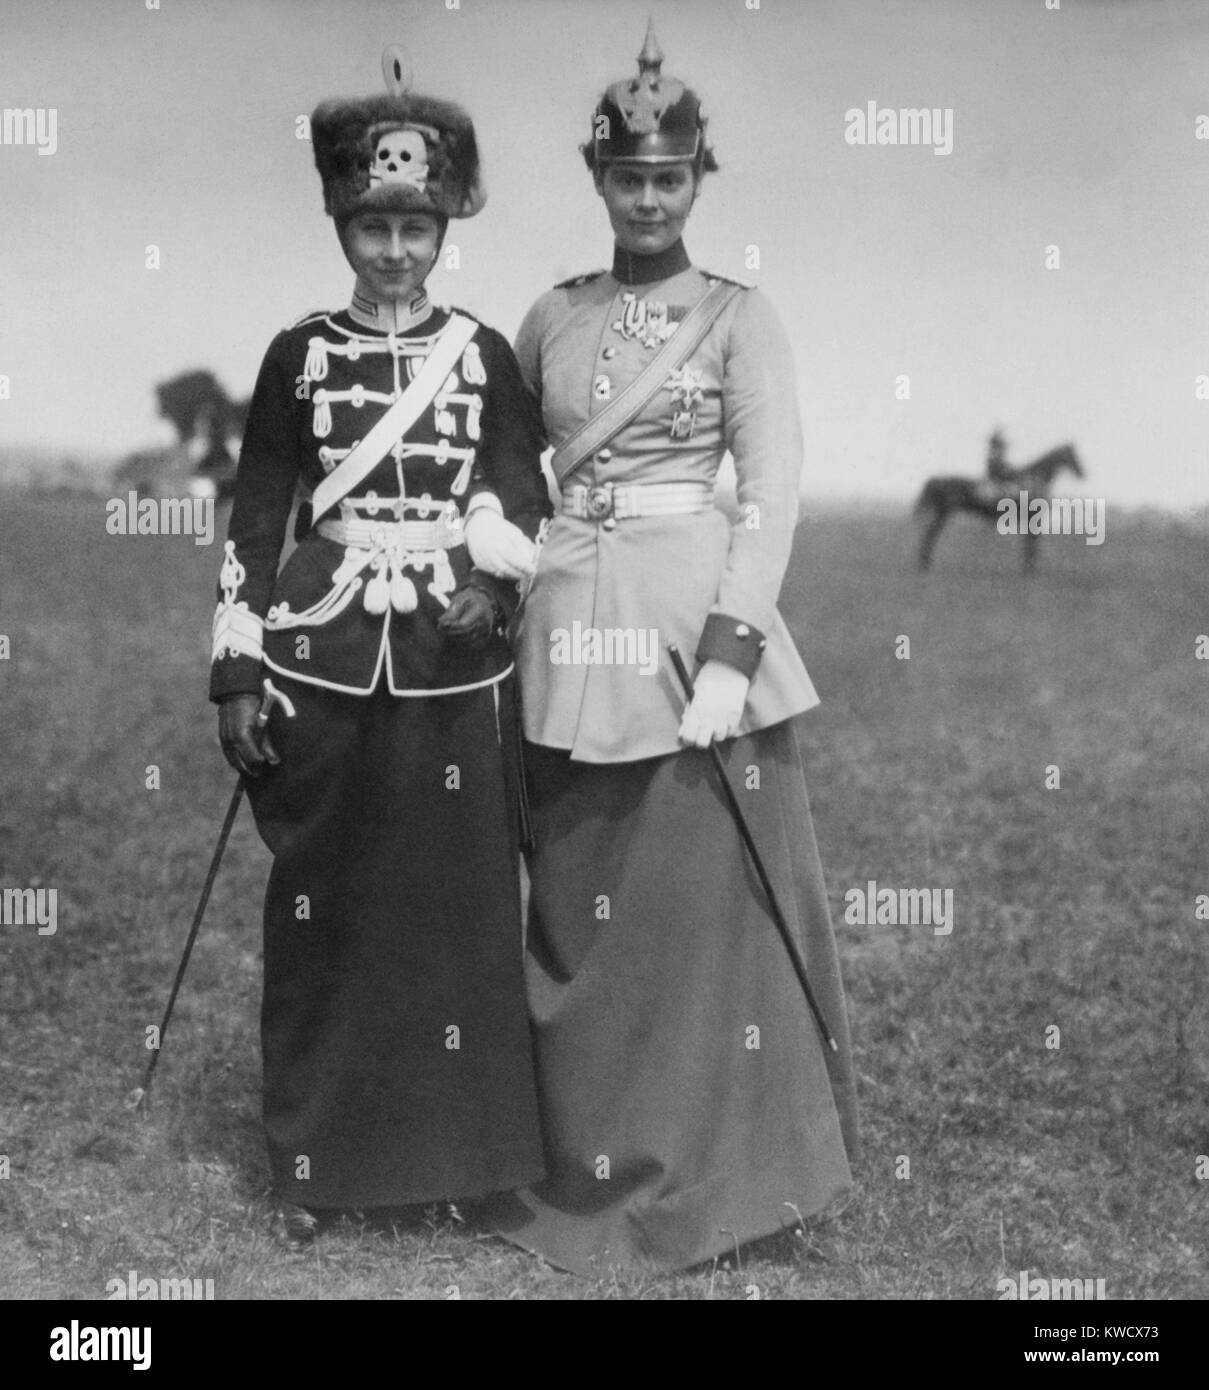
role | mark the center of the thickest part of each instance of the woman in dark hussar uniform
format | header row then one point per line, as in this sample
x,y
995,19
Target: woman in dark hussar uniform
x,y
687,1100
397,1062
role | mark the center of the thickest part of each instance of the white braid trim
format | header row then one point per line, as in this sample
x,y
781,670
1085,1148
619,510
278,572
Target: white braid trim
x,y
236,630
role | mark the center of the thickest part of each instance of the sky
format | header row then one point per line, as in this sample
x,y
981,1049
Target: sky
x,y
1073,127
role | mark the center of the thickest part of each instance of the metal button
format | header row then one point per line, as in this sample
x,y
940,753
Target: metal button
x,y
609,523
601,388
604,455
609,353
742,631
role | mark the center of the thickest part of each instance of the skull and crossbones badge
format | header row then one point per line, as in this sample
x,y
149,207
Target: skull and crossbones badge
x,y
400,156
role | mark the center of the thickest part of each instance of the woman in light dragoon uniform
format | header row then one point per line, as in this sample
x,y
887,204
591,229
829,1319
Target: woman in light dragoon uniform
x,y
688,1102
397,1063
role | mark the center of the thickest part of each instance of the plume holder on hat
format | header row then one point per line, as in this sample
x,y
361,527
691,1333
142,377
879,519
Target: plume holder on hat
x,y
398,152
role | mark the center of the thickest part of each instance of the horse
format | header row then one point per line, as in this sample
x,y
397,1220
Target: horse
x,y
943,496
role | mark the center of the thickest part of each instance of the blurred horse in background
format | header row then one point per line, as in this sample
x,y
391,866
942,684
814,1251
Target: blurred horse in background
x,y
941,497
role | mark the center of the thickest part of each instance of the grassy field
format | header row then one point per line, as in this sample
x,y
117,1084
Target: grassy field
x,y
1072,907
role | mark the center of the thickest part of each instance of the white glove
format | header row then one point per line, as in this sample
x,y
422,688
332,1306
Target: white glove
x,y
499,547
719,694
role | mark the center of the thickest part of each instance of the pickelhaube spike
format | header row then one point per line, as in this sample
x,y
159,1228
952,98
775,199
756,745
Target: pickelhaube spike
x,y
651,57
650,119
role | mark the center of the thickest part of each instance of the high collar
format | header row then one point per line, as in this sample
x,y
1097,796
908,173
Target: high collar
x,y
632,268
392,316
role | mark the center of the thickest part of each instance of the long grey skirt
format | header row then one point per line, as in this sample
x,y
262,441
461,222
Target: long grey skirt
x,y
687,1101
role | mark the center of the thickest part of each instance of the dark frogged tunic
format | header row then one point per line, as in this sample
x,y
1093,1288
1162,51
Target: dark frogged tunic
x,y
397,1062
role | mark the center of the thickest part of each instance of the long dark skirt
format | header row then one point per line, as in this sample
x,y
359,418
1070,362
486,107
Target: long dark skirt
x,y
397,1061
687,1101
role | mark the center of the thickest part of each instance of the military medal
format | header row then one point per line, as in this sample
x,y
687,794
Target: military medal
x,y
644,319
685,385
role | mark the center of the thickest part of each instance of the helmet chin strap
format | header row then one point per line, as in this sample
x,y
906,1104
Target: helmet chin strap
x,y
436,255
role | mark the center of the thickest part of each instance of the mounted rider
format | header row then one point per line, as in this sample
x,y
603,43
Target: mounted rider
x,y
998,468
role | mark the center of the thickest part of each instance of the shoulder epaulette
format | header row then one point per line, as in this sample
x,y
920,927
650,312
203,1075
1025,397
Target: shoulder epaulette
x,y
576,280
309,317
729,280
466,314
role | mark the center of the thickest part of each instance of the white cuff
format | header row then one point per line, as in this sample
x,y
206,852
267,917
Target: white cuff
x,y
484,499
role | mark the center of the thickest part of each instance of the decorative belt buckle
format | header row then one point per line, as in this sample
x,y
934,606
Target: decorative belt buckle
x,y
599,502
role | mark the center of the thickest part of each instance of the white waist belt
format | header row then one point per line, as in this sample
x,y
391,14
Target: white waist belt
x,y
617,501
393,535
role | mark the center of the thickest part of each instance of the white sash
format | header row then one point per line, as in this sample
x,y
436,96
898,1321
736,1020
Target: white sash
x,y
361,461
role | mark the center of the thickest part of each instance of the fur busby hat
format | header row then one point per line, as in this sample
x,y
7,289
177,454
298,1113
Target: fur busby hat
x,y
651,118
399,152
